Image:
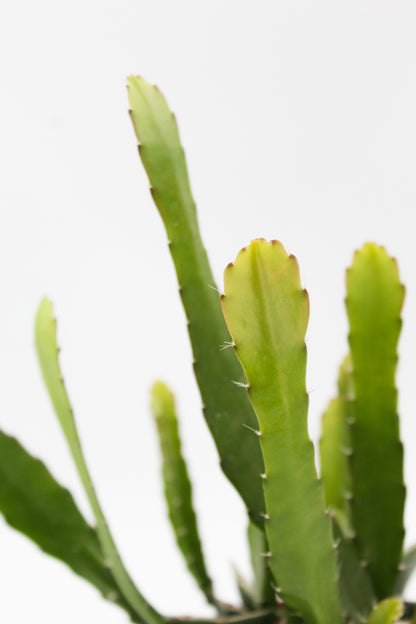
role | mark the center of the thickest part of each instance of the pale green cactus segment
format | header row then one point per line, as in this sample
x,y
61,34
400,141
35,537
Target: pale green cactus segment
x,y
388,611
226,405
346,382
262,592
335,446
35,504
178,489
406,568
374,301
267,314
356,591
47,350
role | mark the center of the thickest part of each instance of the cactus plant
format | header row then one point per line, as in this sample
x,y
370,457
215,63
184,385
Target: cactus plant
x,y
325,548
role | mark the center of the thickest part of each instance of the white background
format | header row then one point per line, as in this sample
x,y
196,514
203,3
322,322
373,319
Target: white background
x,y
298,121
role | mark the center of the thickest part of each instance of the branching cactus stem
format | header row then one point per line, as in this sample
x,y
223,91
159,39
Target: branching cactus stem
x,y
324,549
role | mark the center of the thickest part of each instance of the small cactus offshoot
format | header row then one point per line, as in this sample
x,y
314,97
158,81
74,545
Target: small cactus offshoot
x,y
325,548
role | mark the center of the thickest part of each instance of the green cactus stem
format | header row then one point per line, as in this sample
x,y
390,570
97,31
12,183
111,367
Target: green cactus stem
x,y
334,447
33,503
263,592
178,489
374,301
226,405
406,568
245,590
356,591
47,350
267,314
388,611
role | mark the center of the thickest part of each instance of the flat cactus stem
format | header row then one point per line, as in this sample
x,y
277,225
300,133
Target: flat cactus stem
x,y
334,462
47,350
178,489
226,405
335,446
406,568
263,592
388,611
356,591
35,504
267,314
374,301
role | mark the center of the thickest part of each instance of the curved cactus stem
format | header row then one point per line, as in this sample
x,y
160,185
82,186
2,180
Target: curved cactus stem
x,y
406,568
267,314
47,350
263,592
33,503
388,611
178,489
374,301
226,405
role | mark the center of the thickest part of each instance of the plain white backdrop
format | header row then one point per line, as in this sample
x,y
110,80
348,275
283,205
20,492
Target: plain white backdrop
x,y
298,122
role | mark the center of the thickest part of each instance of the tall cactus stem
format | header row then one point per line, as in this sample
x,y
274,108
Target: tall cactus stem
x,y
226,405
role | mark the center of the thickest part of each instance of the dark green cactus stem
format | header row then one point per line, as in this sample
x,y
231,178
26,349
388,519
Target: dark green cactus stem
x,y
47,350
406,568
245,590
356,591
178,489
267,314
374,301
33,503
263,593
227,409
